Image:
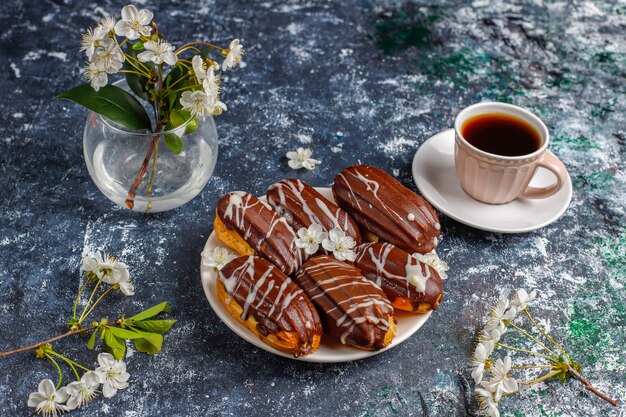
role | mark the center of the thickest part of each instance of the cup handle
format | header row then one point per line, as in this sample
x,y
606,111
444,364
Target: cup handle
x,y
554,165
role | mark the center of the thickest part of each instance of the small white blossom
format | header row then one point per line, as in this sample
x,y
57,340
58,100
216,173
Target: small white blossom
x,y
47,400
491,335
501,382
479,359
216,107
109,270
499,314
233,55
521,299
89,42
206,76
110,58
158,52
217,258
197,102
112,374
301,158
83,391
310,239
340,245
96,76
134,23
488,405
105,27
432,259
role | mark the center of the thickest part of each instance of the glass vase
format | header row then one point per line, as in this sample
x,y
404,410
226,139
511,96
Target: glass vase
x,y
137,170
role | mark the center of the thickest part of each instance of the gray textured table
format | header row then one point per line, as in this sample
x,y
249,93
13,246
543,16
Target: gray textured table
x,y
355,81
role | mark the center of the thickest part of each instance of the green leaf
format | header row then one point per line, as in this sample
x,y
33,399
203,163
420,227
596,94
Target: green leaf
x,y
115,345
137,45
192,125
92,340
137,83
173,77
151,343
155,326
111,102
151,312
125,333
174,142
206,52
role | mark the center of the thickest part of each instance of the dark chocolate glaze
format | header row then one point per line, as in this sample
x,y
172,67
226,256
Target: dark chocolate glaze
x,y
262,228
353,308
385,207
302,206
393,270
264,291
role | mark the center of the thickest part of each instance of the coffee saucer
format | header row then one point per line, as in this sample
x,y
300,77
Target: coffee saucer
x,y
435,176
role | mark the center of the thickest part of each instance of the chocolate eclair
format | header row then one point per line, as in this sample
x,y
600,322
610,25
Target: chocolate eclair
x,y
411,285
386,209
302,205
265,300
249,226
352,308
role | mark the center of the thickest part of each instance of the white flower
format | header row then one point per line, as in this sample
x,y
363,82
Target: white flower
x,y
488,405
158,52
126,285
479,359
197,102
47,400
491,335
109,270
340,245
233,55
310,239
105,27
110,58
206,76
83,391
301,158
432,259
96,76
500,382
217,258
89,42
134,23
112,374
499,314
216,107
521,299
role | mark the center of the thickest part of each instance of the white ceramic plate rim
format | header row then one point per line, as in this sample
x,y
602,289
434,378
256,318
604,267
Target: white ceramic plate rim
x,y
478,225
330,351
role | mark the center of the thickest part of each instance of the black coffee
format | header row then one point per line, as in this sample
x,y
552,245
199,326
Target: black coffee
x,y
501,134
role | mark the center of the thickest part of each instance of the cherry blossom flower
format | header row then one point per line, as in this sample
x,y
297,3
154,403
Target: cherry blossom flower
x,y
488,405
491,335
96,76
301,158
158,52
217,258
521,299
206,76
479,359
233,55
340,245
134,23
110,58
216,107
89,42
112,374
47,400
105,27
500,314
83,391
310,238
500,382
197,102
109,270
432,259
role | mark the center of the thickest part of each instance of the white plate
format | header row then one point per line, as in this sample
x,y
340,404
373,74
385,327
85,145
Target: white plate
x,y
329,350
435,176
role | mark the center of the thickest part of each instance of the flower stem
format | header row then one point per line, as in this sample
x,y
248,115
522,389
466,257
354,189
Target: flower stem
x,y
135,72
96,303
80,292
185,48
528,351
135,60
590,387
531,366
68,361
546,335
542,378
197,43
93,292
532,338
59,369
36,345
154,162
